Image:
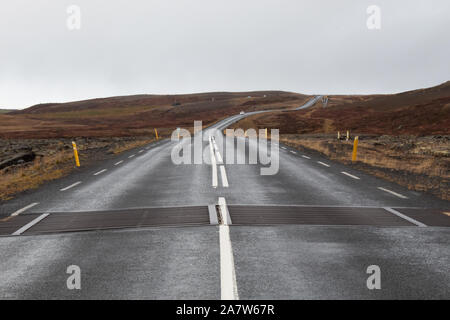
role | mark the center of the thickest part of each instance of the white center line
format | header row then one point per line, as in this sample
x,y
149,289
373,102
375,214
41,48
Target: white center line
x,y
324,164
350,175
24,209
401,215
306,157
283,148
394,193
293,152
30,224
228,285
213,164
71,186
219,157
100,172
117,163
223,173
131,156
140,151
215,146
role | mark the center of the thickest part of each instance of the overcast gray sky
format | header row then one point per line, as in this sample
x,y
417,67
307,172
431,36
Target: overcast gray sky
x,y
180,46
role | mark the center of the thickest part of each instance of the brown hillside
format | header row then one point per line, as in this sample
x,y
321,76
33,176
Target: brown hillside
x,y
136,115
419,112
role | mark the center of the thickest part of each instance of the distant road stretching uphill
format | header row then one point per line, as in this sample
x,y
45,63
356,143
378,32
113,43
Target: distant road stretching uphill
x,y
166,231
310,103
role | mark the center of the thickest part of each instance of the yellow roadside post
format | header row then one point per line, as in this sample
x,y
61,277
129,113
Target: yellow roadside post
x,y
348,135
339,135
75,153
156,133
266,133
355,148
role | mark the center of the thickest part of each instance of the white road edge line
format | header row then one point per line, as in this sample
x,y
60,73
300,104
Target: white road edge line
x,y
324,164
100,172
401,215
140,151
131,156
71,186
293,152
117,163
30,224
213,164
223,173
306,157
228,285
24,209
350,175
394,193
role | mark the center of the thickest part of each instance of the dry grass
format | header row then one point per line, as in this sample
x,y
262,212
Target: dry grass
x,y
59,162
15,180
328,126
118,148
421,171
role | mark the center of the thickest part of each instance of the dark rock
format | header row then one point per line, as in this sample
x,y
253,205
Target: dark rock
x,y
17,159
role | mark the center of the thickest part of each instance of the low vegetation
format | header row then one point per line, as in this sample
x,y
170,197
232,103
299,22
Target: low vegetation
x,y
54,159
404,137
138,115
418,163
19,178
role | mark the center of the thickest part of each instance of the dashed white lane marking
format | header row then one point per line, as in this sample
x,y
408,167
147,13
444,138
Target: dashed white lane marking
x,y
24,209
350,175
71,186
401,215
213,164
140,151
228,285
283,148
293,152
117,163
306,157
324,164
394,193
30,224
131,156
223,173
100,172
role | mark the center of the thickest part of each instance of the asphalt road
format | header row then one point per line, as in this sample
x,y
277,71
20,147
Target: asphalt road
x,y
326,258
